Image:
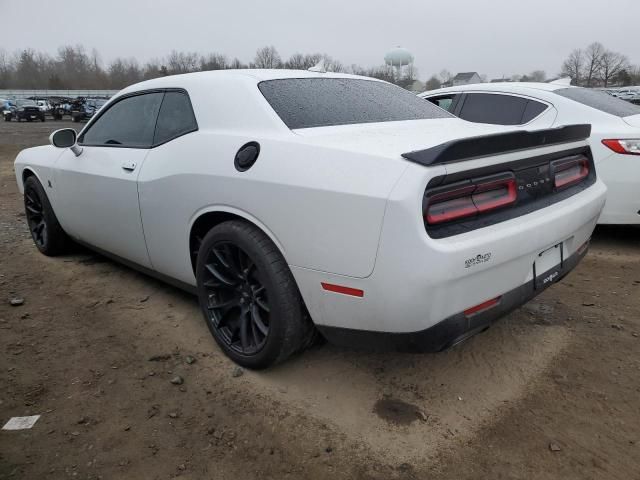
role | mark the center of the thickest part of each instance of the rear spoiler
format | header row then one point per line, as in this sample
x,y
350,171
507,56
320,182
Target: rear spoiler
x,y
496,144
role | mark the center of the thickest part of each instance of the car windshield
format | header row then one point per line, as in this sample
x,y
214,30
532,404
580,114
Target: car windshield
x,y
322,102
26,103
600,101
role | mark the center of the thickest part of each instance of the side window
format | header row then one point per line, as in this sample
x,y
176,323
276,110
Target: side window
x,y
443,101
128,123
532,110
175,118
493,108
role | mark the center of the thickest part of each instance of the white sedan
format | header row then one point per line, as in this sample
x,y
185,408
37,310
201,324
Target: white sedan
x,y
615,128
295,202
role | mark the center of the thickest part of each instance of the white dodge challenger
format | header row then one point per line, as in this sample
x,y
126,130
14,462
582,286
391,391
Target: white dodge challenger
x,y
295,202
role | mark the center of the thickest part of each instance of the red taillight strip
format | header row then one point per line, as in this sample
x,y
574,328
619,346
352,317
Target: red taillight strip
x,y
483,306
485,206
467,200
623,146
562,179
354,292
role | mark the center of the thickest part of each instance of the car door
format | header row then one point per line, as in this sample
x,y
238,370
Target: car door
x,y
504,109
166,184
97,191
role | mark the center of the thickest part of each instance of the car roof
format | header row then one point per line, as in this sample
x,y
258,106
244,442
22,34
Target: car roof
x,y
256,75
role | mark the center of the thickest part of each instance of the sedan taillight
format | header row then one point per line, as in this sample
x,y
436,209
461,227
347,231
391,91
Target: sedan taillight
x,y
626,147
470,198
569,172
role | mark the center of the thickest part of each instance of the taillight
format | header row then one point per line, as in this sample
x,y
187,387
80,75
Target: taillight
x,y
470,198
625,147
569,172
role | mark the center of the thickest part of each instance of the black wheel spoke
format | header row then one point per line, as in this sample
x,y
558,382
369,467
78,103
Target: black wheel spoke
x,y
221,258
233,302
262,304
236,305
257,320
219,275
244,324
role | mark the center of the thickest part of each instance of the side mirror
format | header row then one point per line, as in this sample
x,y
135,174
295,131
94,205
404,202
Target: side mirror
x,y
65,138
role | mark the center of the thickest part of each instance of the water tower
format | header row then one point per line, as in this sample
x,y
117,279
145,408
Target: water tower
x,y
397,59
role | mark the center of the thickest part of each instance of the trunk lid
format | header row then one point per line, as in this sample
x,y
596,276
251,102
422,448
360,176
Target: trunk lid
x,y
392,139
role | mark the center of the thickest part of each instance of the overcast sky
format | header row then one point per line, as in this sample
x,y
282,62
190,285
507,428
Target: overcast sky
x,y
493,37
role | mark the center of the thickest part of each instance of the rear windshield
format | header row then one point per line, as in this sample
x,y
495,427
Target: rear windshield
x,y
322,102
600,101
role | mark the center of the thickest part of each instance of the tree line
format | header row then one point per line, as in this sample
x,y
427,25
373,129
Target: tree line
x,y
73,67
597,66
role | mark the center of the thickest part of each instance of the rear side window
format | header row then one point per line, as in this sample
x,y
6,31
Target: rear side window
x,y
532,110
600,101
128,123
443,101
322,102
492,108
176,117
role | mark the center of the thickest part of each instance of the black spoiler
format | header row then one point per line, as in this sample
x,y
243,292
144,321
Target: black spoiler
x,y
496,144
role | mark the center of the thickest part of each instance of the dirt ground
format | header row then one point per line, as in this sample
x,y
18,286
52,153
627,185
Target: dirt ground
x,y
551,391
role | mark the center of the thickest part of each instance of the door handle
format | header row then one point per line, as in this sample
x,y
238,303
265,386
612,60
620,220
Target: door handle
x,y
129,166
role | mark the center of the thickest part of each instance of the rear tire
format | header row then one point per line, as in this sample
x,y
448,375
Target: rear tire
x,y
249,297
45,229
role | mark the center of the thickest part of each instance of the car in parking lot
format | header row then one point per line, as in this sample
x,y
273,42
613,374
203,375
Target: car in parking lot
x,y
615,128
23,109
86,108
293,202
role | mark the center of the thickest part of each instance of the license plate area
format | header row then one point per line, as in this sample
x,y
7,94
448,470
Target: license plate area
x,y
548,266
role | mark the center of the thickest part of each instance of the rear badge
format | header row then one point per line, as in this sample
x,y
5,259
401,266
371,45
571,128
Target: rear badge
x,y
477,260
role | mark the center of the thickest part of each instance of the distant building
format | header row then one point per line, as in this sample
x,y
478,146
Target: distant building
x,y
466,78
500,80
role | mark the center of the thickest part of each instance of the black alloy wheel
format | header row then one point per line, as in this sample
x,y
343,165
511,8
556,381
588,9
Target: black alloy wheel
x,y
238,306
35,216
248,296
43,224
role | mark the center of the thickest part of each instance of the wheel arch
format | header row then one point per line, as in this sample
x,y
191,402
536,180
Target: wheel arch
x,y
208,218
28,172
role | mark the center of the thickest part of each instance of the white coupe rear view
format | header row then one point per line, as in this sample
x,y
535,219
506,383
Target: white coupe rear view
x,y
615,128
298,202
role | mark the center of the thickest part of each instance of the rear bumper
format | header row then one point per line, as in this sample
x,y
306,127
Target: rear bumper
x,y
451,330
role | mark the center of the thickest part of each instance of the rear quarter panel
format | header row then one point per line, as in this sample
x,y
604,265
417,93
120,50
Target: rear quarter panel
x,y
323,207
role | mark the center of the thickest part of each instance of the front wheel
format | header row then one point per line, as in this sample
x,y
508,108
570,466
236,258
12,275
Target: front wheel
x,y
45,229
249,297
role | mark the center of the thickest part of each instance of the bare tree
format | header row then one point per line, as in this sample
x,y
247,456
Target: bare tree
x,y
611,65
267,57
214,61
235,63
6,69
432,83
537,76
593,63
445,76
181,62
573,66
123,72
297,61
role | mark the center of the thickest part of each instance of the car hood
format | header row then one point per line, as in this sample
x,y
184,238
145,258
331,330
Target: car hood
x,y
633,120
391,139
